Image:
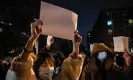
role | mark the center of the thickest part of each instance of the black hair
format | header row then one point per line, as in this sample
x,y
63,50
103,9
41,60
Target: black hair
x,y
59,58
40,60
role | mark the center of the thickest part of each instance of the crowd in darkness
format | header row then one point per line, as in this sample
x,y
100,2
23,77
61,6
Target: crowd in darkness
x,y
100,64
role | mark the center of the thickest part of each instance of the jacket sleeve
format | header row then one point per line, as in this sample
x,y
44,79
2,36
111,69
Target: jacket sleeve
x,y
21,68
72,68
86,74
44,50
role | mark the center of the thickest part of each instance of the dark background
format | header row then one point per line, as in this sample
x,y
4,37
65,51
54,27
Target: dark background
x,y
20,13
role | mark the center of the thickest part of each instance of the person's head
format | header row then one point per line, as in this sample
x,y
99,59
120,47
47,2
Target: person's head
x,y
101,54
44,66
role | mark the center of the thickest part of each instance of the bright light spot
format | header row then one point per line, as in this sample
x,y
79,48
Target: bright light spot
x,y
10,24
130,21
35,19
2,22
109,22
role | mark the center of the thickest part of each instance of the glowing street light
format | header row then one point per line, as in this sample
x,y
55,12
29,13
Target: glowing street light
x,y
2,22
130,21
10,23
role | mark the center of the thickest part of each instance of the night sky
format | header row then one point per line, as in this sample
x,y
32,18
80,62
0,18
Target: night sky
x,y
89,13
87,10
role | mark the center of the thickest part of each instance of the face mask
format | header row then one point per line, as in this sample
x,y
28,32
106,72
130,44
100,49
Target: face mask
x,y
46,73
102,55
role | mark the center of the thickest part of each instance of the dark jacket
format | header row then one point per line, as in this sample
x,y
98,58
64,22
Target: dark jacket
x,y
95,70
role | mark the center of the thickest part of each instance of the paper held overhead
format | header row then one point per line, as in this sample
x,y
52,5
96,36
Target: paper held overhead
x,y
57,21
120,43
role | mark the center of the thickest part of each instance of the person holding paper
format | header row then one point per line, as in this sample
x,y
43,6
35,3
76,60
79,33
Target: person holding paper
x,y
72,66
45,63
21,66
52,62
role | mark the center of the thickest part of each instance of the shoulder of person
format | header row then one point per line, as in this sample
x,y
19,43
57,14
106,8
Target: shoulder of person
x,y
18,64
77,61
90,68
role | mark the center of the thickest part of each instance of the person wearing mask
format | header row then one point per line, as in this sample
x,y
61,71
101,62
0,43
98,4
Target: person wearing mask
x,y
44,66
22,65
45,63
47,66
52,62
101,65
72,66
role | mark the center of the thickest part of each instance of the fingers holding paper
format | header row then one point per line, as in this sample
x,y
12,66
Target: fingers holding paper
x,y
77,39
36,28
50,41
76,44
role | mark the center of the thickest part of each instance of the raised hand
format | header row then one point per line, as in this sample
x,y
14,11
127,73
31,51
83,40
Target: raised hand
x,y
76,44
50,40
72,66
77,39
36,28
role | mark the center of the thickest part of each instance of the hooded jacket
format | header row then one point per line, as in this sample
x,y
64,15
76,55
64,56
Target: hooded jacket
x,y
21,70
95,70
71,68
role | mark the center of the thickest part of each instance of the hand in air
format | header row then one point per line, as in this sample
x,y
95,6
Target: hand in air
x,y
77,39
36,28
50,40
76,44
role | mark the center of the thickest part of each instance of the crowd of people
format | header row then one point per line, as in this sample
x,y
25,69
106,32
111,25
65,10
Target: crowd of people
x,y
100,65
